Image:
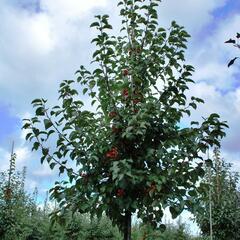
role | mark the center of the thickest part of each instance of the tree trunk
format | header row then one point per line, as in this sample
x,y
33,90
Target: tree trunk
x,y
127,225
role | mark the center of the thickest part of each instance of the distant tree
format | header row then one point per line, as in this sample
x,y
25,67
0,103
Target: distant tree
x,y
172,232
15,205
132,154
8,183
82,227
225,202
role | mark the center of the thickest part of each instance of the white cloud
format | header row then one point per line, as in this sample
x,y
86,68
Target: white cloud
x,y
233,158
40,34
44,171
4,156
39,50
30,185
212,56
216,73
237,102
193,14
23,155
228,108
70,10
217,84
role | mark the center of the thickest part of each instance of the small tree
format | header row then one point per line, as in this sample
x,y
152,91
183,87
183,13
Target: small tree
x,y
15,205
225,200
9,188
131,153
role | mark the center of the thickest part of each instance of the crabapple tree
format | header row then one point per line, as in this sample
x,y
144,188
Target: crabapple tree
x,y
130,152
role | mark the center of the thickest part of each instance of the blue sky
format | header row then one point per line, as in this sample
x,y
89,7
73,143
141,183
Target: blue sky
x,y
43,43
227,10
30,5
8,123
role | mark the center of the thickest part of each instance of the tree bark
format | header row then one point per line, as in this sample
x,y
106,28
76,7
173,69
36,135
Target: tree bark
x,y
127,225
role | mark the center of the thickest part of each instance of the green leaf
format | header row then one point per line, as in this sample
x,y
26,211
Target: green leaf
x,y
61,169
214,115
50,132
209,163
97,52
42,159
28,136
162,227
47,123
174,211
26,125
45,151
38,101
107,26
52,165
95,24
120,3
194,123
85,90
192,193
232,61
93,102
40,111
35,146
92,84
193,105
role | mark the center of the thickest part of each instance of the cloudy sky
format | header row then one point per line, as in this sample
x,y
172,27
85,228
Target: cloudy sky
x,y
44,41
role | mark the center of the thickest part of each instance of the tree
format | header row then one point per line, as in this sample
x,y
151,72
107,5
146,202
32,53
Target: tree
x,y
10,187
131,153
16,207
225,201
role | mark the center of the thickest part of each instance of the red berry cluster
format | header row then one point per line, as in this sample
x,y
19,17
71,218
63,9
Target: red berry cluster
x,y
152,188
113,153
136,101
112,114
125,92
125,72
120,192
115,129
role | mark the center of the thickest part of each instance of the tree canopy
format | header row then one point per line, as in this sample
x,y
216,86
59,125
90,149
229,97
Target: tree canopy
x,y
131,153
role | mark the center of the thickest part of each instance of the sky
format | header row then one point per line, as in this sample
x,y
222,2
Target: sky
x,y
45,41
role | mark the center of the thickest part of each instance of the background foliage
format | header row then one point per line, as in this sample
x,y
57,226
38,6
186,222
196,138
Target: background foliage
x,y
225,201
23,219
